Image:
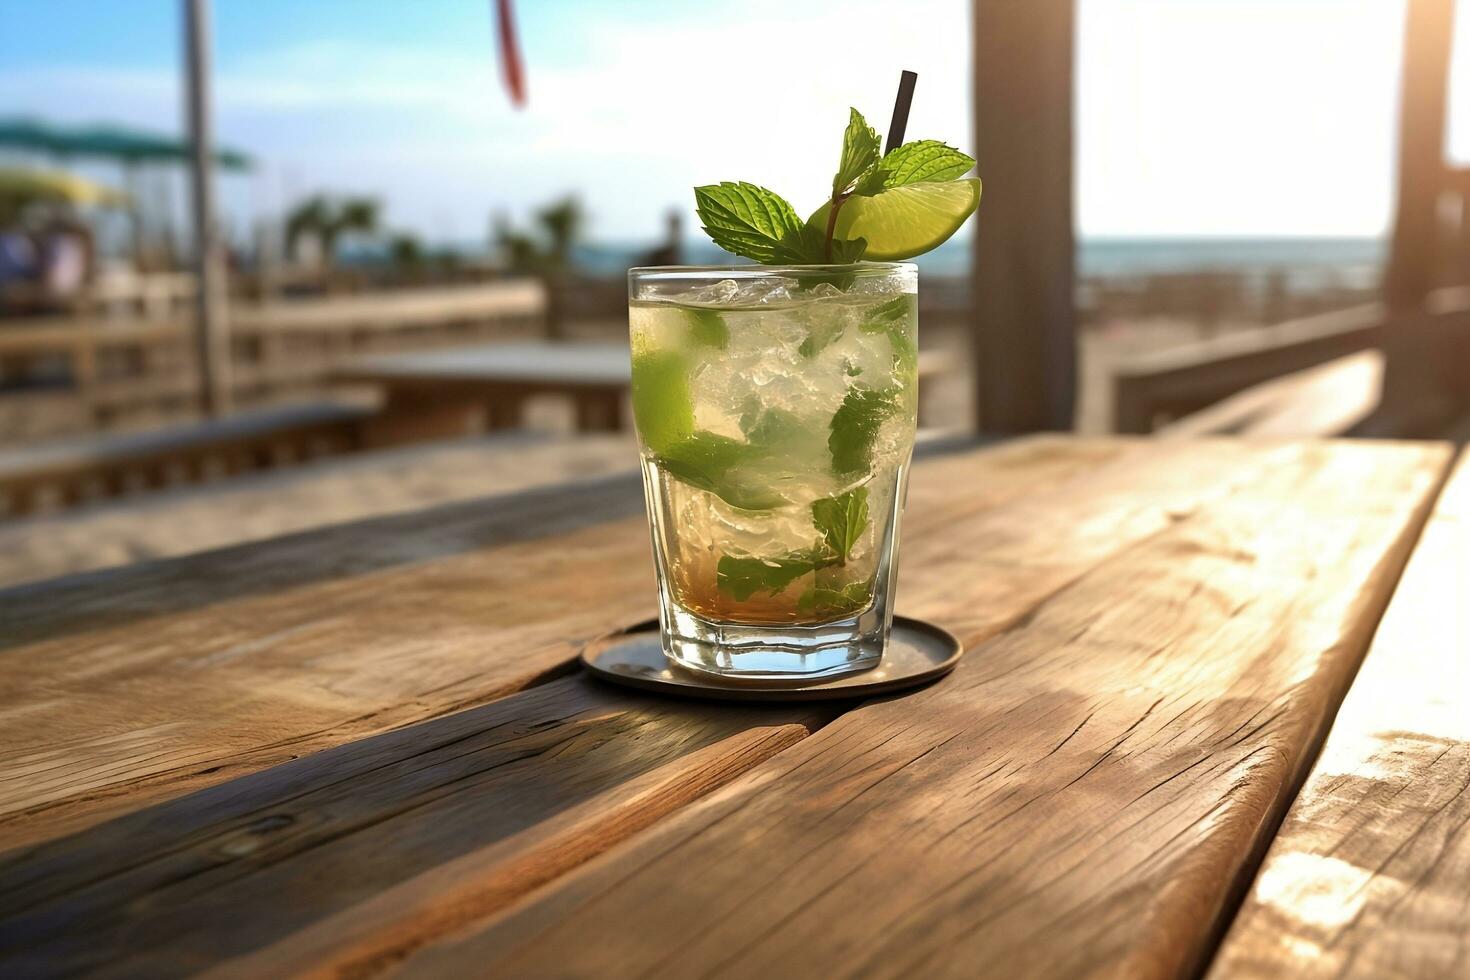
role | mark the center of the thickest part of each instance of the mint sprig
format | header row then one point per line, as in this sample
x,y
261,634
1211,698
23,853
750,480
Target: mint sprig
x,y
750,220
859,158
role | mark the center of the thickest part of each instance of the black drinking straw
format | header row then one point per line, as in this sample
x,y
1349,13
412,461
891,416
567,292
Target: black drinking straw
x,y
901,110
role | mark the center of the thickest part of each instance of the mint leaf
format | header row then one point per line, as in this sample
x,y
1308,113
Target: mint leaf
x,y
751,221
770,429
845,251
919,161
742,578
859,152
871,182
893,310
702,458
813,245
707,328
819,338
842,520
716,463
854,427
893,318
851,598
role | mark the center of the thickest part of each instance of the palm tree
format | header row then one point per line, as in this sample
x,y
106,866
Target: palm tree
x,y
561,228
546,252
327,220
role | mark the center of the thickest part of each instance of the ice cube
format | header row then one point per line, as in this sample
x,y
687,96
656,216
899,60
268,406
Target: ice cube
x,y
862,355
824,290
720,293
744,533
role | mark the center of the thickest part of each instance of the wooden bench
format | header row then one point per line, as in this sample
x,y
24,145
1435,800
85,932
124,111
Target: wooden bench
x,y
1157,387
68,472
1323,401
1367,875
1169,384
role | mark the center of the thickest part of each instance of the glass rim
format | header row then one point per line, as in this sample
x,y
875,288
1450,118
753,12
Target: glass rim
x,y
751,271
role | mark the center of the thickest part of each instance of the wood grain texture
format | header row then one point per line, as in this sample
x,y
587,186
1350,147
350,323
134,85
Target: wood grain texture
x,y
123,688
1318,402
1087,794
506,795
1367,877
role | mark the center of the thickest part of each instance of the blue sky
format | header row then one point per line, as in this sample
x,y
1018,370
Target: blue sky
x,y
1233,117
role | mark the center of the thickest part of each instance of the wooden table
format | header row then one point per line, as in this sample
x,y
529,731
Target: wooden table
x,y
367,750
450,391
447,392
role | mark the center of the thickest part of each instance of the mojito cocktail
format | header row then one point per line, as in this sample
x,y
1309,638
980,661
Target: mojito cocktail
x,y
775,410
776,405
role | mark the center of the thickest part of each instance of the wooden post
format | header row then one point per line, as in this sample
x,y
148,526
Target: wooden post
x,y
1420,384
135,214
1025,342
1422,176
213,325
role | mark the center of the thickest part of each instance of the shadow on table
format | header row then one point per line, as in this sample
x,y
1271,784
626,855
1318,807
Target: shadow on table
x,y
297,843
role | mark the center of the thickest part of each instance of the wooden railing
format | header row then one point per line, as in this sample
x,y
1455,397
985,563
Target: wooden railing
x,y
1154,388
1298,377
117,369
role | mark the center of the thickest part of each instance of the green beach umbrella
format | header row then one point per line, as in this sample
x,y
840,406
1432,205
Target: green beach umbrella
x,y
113,142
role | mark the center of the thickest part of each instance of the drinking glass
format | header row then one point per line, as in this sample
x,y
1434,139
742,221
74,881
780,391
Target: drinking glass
x,y
775,409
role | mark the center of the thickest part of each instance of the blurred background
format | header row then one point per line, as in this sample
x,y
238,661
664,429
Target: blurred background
x,y
270,265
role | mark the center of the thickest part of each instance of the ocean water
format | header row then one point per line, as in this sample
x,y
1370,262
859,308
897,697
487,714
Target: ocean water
x,y
1351,261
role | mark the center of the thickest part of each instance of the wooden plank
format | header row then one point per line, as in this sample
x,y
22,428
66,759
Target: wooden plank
x,y
1024,336
405,915
1032,554
1195,375
560,365
508,795
67,470
1084,795
123,688
1323,401
72,456
401,308
1367,876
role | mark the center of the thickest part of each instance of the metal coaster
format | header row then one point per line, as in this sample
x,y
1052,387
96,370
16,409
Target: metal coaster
x,y
917,652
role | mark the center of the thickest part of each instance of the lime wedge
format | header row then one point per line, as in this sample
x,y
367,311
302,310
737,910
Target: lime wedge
x,y
904,221
663,408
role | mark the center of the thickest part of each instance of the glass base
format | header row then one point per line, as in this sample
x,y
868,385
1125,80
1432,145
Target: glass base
x,y
735,651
